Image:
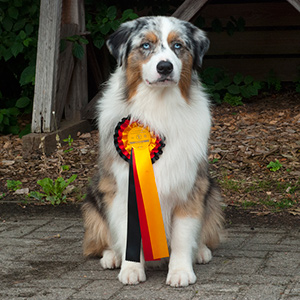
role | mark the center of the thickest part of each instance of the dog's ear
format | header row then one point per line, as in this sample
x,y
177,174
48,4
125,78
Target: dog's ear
x,y
119,42
200,44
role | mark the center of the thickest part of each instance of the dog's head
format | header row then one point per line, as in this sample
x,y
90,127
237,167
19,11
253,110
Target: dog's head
x,y
159,51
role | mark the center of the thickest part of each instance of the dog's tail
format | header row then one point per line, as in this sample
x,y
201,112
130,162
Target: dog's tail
x,y
213,222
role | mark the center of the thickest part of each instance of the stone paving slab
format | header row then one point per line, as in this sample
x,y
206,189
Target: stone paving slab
x,y
40,258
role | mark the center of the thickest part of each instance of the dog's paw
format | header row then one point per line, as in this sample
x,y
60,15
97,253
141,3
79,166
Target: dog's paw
x,y
181,278
204,255
132,273
110,260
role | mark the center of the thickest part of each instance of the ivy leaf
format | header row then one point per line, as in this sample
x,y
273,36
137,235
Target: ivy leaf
x,y
78,50
27,76
13,111
19,24
23,102
16,49
248,79
111,12
99,43
7,24
28,29
105,28
238,78
22,35
13,12
233,89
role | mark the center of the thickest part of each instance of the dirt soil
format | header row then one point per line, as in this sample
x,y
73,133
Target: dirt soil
x,y
244,140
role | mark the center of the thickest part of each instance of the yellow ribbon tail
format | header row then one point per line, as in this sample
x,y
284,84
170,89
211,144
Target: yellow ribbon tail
x,y
151,203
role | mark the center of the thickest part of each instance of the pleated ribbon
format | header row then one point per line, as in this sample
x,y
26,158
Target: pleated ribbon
x,y
145,221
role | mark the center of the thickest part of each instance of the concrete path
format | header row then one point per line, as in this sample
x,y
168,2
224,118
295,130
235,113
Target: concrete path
x,y
40,258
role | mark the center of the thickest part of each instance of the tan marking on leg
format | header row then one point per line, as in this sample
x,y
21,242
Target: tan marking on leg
x,y
96,237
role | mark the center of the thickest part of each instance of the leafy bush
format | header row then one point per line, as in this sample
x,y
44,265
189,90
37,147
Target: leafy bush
x,y
224,88
105,21
18,44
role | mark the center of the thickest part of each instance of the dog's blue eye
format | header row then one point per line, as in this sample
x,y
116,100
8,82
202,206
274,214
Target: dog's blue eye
x,y
177,45
146,46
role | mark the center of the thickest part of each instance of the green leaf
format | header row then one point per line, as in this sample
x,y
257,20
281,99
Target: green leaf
x,y
16,48
105,28
233,89
19,24
13,185
13,12
23,102
27,41
28,29
7,54
83,40
78,50
245,92
13,111
238,78
1,117
27,76
248,79
22,35
99,43
71,179
47,185
17,3
7,24
115,25
36,195
111,12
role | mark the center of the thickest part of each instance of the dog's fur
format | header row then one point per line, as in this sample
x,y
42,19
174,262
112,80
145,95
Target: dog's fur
x,y
171,101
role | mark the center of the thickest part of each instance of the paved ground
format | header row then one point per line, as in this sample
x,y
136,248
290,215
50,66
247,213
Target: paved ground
x,y
40,258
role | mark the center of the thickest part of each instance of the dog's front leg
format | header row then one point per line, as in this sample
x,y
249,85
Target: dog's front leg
x,y
131,272
183,244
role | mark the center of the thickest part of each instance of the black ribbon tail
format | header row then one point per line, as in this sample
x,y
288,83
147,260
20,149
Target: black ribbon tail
x,y
133,247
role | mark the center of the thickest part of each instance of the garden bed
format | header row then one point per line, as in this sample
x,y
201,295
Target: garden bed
x,y
244,141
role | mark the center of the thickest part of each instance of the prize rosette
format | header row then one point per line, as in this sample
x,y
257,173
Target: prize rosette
x,y
141,148
129,133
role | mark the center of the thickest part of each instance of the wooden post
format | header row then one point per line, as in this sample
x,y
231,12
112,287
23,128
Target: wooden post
x,y
188,9
295,3
43,119
77,97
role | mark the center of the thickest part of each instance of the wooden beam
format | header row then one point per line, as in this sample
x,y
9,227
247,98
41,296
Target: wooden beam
x,y
188,9
78,91
43,119
295,3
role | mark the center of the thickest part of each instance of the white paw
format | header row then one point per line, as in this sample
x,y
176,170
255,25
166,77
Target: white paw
x,y
132,273
181,278
204,255
110,260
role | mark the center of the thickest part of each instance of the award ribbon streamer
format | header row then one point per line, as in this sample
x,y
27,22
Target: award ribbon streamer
x,y
145,220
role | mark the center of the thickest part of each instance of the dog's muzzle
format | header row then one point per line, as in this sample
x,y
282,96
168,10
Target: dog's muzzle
x,y
164,68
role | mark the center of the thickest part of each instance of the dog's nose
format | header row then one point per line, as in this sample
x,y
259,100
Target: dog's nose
x,y
164,67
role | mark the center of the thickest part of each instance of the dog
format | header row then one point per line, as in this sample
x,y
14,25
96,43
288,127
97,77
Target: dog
x,y
156,83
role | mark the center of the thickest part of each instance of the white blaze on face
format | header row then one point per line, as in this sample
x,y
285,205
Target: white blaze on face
x,y
163,52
